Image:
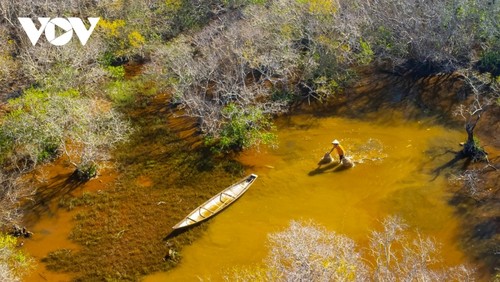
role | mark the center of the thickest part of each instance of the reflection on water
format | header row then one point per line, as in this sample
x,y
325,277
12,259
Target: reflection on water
x,y
393,176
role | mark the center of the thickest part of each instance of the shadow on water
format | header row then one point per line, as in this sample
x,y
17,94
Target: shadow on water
x,y
487,229
174,233
180,231
477,203
332,167
43,203
459,156
379,91
319,170
481,229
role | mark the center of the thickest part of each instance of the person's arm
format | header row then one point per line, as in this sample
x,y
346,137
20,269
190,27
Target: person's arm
x,y
332,149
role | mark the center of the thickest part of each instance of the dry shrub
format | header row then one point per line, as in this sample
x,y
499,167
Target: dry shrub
x,y
308,252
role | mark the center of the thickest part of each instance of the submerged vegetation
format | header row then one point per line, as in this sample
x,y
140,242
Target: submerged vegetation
x,y
231,65
154,180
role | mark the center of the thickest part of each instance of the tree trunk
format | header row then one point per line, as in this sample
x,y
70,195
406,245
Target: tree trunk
x,y
471,149
470,144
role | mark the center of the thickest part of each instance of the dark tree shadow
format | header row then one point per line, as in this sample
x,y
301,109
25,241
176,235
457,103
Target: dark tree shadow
x,y
42,202
451,163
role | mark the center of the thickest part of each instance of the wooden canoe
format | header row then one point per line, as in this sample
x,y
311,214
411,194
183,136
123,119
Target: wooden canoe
x,y
217,203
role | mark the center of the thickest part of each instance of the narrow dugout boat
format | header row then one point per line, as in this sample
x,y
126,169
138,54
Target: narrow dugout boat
x,y
217,203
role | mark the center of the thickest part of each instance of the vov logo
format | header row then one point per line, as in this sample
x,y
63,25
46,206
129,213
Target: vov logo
x,y
49,26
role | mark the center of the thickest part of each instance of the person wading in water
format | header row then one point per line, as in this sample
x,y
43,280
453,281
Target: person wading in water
x,y
338,148
327,158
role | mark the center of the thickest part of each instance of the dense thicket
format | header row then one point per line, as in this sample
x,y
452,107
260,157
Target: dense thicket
x,y
268,57
126,29
262,56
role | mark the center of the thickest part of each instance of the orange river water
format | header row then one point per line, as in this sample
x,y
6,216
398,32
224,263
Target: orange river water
x,y
395,159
